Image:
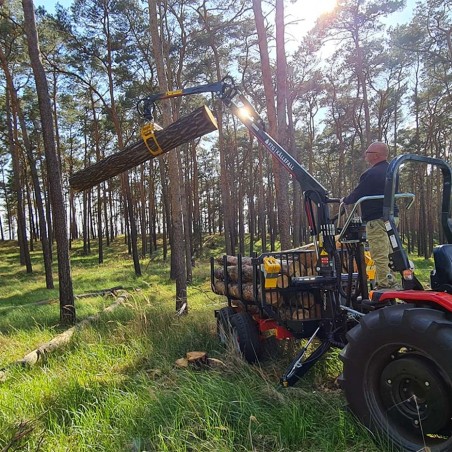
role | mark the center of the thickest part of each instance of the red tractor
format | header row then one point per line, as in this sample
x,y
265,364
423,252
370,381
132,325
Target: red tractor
x,y
397,364
396,345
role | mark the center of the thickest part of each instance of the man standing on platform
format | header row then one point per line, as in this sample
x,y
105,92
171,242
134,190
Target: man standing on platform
x,y
372,182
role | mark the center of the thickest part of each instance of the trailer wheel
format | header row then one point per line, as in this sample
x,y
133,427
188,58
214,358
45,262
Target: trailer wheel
x,y
245,336
224,324
397,377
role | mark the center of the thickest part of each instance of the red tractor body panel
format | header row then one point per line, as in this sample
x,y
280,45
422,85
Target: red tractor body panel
x,y
442,299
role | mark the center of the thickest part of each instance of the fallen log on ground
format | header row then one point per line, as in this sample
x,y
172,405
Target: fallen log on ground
x,y
64,338
99,293
200,122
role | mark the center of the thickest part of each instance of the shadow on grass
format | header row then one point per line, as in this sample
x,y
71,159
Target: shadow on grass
x,y
117,388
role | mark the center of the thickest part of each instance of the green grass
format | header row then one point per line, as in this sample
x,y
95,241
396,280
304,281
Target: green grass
x,y
116,388
422,269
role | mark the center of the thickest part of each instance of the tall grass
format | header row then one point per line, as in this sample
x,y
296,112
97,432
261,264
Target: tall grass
x,y
116,388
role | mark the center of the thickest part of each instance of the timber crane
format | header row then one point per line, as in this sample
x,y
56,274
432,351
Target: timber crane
x,y
396,345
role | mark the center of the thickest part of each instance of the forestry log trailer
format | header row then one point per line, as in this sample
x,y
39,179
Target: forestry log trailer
x,y
396,345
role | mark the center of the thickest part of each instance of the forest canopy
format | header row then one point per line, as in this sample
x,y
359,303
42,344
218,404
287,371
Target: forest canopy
x,y
355,77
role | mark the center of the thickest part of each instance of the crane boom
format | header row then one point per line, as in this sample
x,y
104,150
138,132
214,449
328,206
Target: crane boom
x,y
229,93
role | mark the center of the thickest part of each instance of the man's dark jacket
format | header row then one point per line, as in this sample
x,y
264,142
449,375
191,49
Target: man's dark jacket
x,y
371,182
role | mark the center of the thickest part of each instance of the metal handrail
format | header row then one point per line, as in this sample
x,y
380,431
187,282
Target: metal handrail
x,y
369,198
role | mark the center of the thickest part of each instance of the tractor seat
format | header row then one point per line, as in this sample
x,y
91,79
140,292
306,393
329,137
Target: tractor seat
x,y
441,276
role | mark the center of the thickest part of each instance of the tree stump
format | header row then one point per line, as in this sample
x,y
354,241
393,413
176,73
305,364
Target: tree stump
x,y
194,359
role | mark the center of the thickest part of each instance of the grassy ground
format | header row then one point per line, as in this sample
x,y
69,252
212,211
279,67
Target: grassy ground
x,y
116,388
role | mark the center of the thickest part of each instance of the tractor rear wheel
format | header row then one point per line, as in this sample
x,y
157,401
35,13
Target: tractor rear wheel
x,y
397,377
224,324
245,336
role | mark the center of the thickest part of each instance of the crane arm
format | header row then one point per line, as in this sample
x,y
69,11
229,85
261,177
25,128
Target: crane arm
x,y
233,98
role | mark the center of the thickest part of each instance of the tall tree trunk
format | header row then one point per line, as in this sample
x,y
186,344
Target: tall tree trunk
x,y
7,204
118,129
43,227
196,187
362,83
152,211
261,204
225,179
186,228
297,194
166,208
86,199
281,187
73,232
15,104
143,210
67,306
105,208
31,218
113,224
17,183
133,233
281,119
177,236
99,188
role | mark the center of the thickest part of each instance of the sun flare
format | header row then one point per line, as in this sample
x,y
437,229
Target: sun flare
x,y
327,5
302,15
314,9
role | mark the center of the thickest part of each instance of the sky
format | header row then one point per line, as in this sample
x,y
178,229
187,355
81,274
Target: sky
x,y
50,4
303,11
301,16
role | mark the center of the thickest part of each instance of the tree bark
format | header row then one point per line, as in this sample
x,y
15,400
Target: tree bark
x,y
281,118
67,306
47,254
96,139
225,178
7,203
17,183
178,268
281,193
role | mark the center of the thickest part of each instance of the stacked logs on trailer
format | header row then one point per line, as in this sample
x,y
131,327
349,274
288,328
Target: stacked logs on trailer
x,y
234,277
229,283
198,123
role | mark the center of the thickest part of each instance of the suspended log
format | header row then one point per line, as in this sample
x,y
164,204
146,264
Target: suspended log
x,y
200,122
